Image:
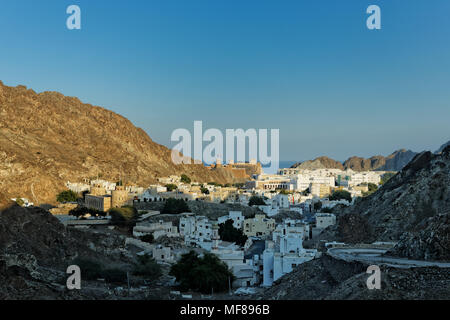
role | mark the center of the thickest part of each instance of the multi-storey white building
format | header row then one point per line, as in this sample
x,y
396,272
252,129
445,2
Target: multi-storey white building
x,y
236,216
197,230
282,255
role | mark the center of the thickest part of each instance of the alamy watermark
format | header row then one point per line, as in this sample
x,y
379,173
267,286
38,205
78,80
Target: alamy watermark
x,y
74,20
232,144
74,280
374,20
374,280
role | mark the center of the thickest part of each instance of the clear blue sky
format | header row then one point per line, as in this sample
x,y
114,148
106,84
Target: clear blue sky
x,y
310,68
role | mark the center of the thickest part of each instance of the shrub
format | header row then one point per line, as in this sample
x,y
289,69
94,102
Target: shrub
x,y
204,190
147,238
93,270
125,216
67,196
203,274
175,206
228,232
171,187
90,270
147,267
185,179
341,194
317,205
114,275
82,211
256,201
372,187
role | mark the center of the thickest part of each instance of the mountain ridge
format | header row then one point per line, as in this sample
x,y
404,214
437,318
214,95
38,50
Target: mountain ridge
x,y
393,162
47,139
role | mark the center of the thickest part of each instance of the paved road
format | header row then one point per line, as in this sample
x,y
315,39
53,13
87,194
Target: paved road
x,y
374,256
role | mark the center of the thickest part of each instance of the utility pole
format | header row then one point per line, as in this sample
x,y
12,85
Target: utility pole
x,y
128,280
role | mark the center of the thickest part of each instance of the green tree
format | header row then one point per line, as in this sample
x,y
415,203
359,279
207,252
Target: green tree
x,y
175,206
317,205
185,179
123,217
114,275
204,190
147,267
171,187
67,196
90,270
228,232
82,211
147,238
341,194
327,210
256,201
372,187
205,274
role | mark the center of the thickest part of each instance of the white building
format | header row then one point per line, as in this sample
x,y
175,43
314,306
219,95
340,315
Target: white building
x,y
197,230
324,220
157,229
163,254
236,216
283,254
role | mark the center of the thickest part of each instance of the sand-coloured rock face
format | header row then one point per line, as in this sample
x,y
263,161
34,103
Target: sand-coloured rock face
x,y
47,139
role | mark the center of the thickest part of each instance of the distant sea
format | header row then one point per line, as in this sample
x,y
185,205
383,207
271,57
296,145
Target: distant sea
x,y
283,164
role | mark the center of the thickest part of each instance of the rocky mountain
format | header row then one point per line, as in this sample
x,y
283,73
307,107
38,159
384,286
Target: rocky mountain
x,y
47,139
442,147
412,208
36,249
394,162
319,163
397,160
363,164
330,279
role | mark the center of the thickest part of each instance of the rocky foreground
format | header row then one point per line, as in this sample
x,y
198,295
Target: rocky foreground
x,y
36,249
329,279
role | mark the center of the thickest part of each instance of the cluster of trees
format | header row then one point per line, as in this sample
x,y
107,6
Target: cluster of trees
x,y
341,194
317,205
67,196
147,267
256,201
123,217
93,270
175,206
82,211
372,187
228,232
171,187
204,190
226,185
185,179
204,274
149,238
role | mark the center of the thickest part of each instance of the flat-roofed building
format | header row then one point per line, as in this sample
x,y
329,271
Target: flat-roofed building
x,y
101,202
